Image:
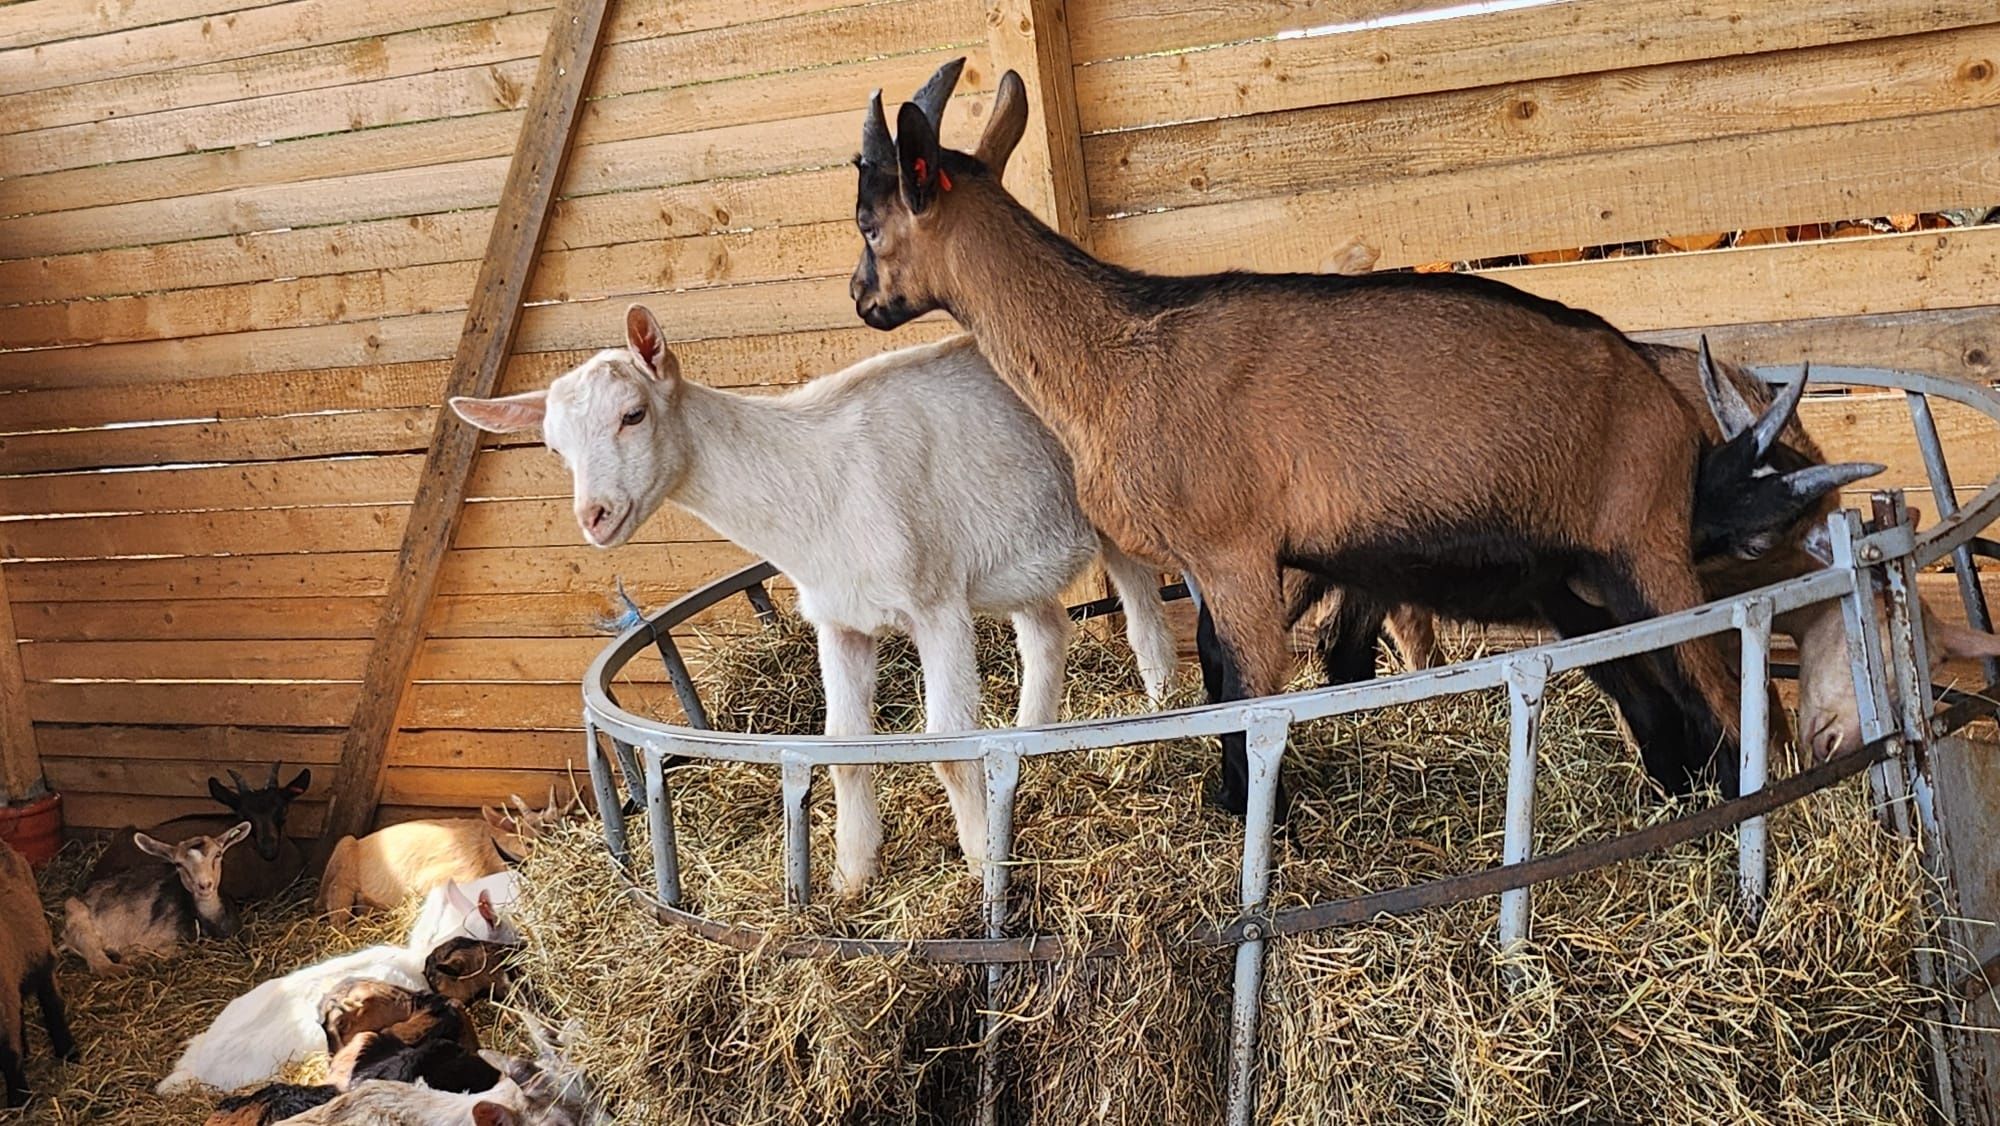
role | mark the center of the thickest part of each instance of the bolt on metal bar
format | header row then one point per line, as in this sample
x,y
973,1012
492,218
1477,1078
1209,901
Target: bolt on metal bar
x,y
677,671
795,780
1526,680
1861,612
1002,763
609,808
1964,558
660,822
760,603
1753,870
1264,738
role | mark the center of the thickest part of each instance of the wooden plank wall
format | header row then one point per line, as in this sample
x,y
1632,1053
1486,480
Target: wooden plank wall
x,y
1277,135
240,238
239,245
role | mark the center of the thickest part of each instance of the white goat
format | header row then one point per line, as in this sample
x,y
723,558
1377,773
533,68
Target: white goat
x,y
907,492
279,1021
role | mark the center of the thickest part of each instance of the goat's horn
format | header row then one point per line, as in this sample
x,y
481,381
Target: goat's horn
x,y
272,784
1725,401
242,787
876,147
937,91
1779,414
1816,481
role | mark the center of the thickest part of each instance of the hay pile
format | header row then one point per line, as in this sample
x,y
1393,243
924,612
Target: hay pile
x,y
1645,998
130,1029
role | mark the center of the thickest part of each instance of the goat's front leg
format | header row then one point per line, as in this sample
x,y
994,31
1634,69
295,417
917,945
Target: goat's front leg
x,y
1241,640
945,645
847,668
1042,633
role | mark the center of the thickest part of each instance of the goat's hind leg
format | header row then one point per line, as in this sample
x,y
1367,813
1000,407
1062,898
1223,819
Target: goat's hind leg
x,y
947,649
1146,628
1240,636
847,669
1042,634
54,1017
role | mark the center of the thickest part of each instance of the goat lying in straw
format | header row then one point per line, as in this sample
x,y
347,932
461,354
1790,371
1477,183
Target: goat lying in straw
x,y
908,493
122,918
1440,440
390,865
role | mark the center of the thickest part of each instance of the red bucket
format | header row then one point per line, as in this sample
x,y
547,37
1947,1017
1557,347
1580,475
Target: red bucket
x,y
34,829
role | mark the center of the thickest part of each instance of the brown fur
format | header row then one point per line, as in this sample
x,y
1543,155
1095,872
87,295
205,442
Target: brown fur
x,y
467,969
27,964
394,864
1264,423
360,1005
118,920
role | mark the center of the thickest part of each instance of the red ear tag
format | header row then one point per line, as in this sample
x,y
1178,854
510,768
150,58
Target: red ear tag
x,y
922,170
944,180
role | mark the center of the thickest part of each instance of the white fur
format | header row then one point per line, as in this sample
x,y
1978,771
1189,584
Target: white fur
x,y
379,1102
257,1034
906,493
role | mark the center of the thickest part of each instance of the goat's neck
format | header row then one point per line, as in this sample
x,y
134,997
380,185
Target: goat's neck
x,y
754,469
1045,313
211,912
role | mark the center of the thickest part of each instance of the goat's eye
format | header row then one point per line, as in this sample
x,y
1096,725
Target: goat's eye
x,y
633,417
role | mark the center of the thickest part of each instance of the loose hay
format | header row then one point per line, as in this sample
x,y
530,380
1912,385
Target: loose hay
x,y
1643,996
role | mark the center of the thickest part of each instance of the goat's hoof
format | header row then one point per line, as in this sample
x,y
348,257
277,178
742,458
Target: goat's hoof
x,y
848,889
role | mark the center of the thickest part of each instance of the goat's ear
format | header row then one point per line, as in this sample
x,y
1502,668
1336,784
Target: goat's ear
x,y
917,157
496,820
300,784
494,1114
507,415
221,793
1006,125
486,911
649,345
241,830
151,847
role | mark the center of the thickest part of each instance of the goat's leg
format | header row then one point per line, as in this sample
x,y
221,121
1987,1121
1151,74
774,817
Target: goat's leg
x,y
847,669
1241,638
946,647
54,1017
1042,633
1347,638
1414,630
1146,629
13,1045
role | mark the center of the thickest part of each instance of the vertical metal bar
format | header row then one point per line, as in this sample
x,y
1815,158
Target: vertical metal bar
x,y
660,821
609,807
635,782
1264,738
1861,611
1753,872
1002,761
677,671
1964,562
760,602
1526,679
795,779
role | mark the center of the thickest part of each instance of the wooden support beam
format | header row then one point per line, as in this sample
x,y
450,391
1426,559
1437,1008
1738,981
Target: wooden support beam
x,y
1046,172
537,169
20,763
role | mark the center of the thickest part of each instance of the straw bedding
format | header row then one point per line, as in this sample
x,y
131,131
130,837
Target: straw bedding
x,y
1642,997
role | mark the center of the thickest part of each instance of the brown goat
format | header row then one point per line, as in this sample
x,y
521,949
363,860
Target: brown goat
x,y
1432,439
27,965
468,969
396,863
123,918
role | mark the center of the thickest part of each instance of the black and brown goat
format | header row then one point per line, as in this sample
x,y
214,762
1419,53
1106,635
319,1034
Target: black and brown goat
x,y
1441,440
273,864
27,965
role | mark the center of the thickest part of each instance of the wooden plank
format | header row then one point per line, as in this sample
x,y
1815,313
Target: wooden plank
x,y
1109,31
1959,343
340,196
695,262
490,326
1484,49
20,761
1046,173
553,660
262,439
224,746
1886,273
340,141
261,702
1744,182
1277,153
470,789
516,707
29,22
546,750
85,810
235,35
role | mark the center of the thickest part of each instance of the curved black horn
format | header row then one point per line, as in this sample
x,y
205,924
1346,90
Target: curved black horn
x,y
876,147
1725,399
938,90
1816,481
271,783
1779,414
242,787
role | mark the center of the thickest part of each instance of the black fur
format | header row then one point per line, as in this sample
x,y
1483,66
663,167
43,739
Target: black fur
x,y
10,1069
41,981
279,1101
442,1064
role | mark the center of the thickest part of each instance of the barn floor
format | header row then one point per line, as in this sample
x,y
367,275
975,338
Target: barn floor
x,y
129,1030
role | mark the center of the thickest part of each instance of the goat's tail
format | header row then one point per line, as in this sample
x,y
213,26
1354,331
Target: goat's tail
x,y
1146,628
